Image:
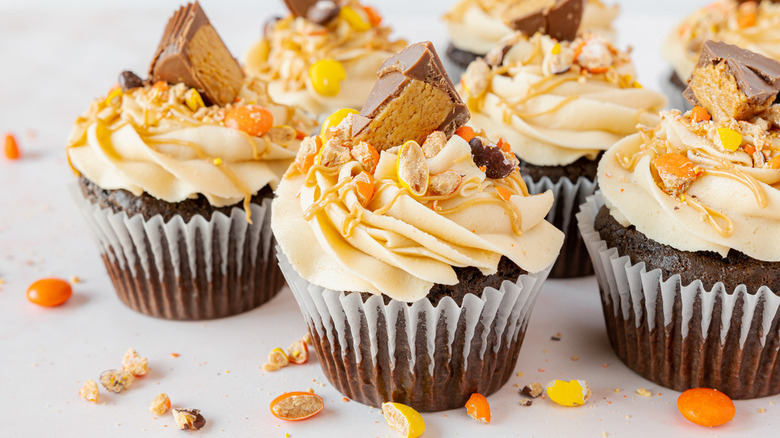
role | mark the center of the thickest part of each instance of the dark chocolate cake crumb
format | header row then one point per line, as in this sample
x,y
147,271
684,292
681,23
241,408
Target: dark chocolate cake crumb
x,y
733,270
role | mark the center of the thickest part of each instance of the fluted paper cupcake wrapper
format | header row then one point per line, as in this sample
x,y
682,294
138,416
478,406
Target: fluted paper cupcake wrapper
x,y
429,357
201,269
685,337
568,196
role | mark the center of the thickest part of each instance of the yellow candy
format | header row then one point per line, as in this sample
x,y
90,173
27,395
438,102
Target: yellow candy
x,y
556,49
408,422
326,76
115,93
729,139
193,99
354,19
334,120
571,393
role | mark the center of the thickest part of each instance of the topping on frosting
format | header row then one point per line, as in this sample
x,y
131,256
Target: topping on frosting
x,y
191,52
556,102
558,18
701,183
751,25
409,80
305,60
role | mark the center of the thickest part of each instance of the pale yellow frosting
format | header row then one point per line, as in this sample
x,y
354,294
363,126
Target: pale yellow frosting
x,y
734,190
723,21
283,59
477,26
403,251
148,140
555,119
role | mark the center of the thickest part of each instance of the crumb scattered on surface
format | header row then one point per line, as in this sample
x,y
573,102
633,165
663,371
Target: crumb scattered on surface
x,y
644,393
89,391
575,358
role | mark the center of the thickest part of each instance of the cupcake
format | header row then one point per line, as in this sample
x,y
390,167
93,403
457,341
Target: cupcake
x,y
324,55
175,178
683,235
748,24
475,26
415,256
559,105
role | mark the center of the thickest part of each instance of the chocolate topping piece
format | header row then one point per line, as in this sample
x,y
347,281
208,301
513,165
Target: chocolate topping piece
x,y
129,80
412,98
733,83
323,11
559,19
497,163
192,52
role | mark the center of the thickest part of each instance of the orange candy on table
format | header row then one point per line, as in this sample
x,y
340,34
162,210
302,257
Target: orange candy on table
x,y
49,292
252,119
11,147
706,407
478,408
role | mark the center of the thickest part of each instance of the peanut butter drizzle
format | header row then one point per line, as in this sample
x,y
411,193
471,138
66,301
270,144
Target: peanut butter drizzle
x,y
710,215
552,109
322,201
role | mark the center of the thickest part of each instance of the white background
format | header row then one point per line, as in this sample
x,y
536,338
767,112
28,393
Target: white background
x,y
53,60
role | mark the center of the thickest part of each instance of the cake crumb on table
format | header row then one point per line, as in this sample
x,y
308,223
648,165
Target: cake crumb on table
x,y
644,393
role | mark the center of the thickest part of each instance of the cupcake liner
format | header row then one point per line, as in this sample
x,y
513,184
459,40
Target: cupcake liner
x,y
685,337
201,269
573,260
431,358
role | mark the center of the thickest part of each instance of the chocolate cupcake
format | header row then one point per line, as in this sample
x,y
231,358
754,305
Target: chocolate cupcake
x,y
410,294
175,178
559,105
322,56
475,27
683,235
748,24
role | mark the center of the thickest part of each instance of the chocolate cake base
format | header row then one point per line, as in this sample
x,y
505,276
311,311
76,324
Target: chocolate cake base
x,y
682,335
459,57
573,260
184,261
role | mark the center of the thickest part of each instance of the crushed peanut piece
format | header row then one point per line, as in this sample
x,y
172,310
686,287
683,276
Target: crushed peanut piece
x,y
160,404
188,419
533,390
115,380
476,79
434,143
333,154
444,183
526,402
277,359
644,393
89,391
135,364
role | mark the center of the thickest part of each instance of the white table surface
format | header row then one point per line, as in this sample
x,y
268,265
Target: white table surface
x,y
53,60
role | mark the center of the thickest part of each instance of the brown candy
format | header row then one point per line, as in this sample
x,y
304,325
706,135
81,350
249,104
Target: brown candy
x,y
733,83
129,80
323,12
559,19
191,52
412,98
497,163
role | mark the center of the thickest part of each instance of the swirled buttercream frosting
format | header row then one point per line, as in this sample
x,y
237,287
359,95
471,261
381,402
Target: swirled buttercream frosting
x,y
397,222
557,102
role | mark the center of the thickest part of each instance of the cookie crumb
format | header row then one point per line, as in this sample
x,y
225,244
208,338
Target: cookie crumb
x,y
533,390
644,393
526,402
89,391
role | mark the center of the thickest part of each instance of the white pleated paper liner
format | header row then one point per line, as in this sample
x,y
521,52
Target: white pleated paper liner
x,y
429,357
685,337
568,196
201,269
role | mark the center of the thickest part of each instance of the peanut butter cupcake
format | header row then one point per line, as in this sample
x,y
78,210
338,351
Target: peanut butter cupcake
x,y
559,105
683,235
175,178
410,294
324,55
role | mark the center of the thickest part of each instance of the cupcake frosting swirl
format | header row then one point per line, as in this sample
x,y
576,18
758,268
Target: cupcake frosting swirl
x,y
477,26
727,200
148,139
558,102
284,55
401,244
750,25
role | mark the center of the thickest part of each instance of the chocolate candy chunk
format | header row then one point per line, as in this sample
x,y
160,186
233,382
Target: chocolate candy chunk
x,y
318,11
192,52
733,83
559,19
129,80
412,98
498,164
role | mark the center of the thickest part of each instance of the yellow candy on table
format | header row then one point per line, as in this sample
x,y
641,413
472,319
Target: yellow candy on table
x,y
404,419
193,99
729,139
334,120
571,393
326,76
354,19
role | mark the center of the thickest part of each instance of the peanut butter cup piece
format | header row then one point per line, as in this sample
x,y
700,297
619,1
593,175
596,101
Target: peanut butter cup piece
x,y
559,19
192,52
733,83
412,98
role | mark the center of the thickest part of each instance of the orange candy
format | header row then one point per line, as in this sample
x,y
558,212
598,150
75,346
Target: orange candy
x,y
11,147
504,145
373,15
294,406
706,407
504,193
699,114
478,408
465,132
252,119
49,292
